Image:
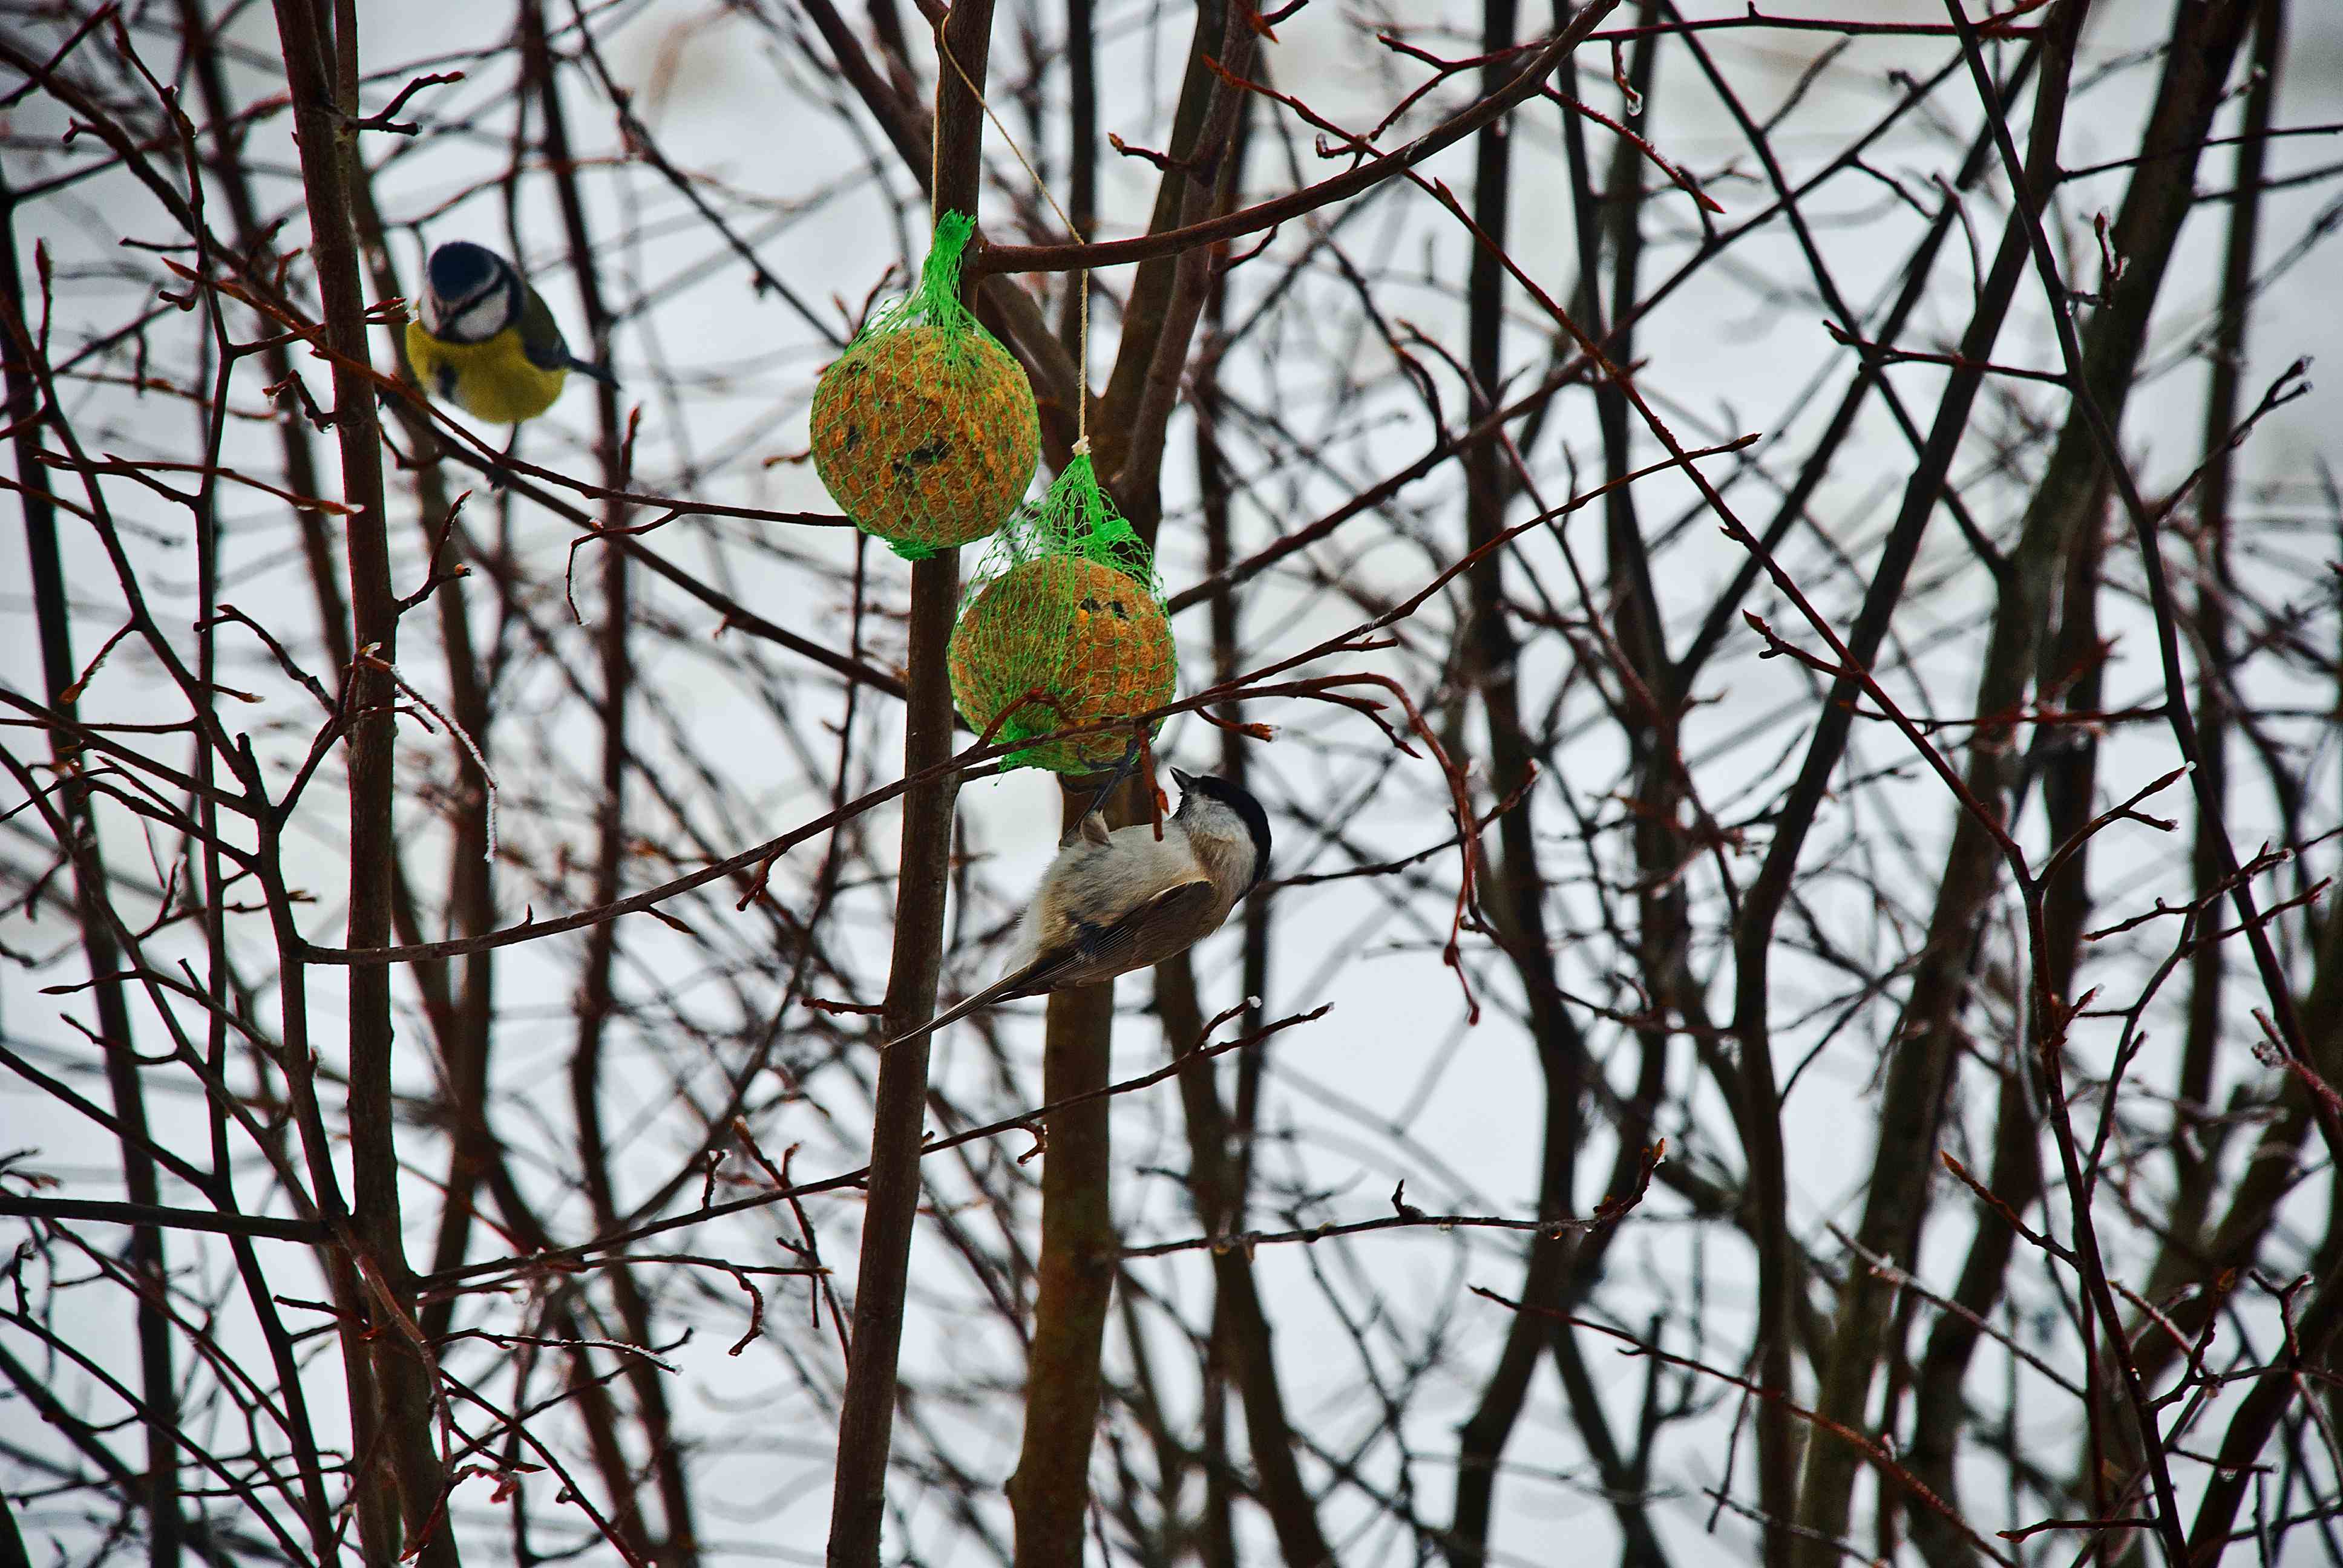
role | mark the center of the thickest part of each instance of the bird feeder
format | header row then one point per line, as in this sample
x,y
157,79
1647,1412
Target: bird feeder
x,y
1064,625
925,429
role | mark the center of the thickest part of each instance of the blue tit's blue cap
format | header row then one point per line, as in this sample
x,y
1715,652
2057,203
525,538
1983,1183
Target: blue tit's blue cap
x,y
460,269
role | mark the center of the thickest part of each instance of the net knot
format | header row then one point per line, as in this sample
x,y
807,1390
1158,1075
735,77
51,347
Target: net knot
x,y
939,275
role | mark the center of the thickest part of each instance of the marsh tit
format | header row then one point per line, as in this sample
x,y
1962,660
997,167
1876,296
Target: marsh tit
x,y
1116,901
486,341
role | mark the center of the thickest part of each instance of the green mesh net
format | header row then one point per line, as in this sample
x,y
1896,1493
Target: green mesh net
x,y
924,429
1064,623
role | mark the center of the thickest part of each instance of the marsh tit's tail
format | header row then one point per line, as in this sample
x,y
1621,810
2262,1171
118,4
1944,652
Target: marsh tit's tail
x,y
1006,989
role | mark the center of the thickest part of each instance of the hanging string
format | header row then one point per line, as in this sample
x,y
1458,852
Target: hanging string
x,y
1082,308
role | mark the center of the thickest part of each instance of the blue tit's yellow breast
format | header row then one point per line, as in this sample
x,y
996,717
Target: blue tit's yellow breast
x,y
493,379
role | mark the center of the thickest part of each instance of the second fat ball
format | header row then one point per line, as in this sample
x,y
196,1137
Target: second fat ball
x,y
1063,628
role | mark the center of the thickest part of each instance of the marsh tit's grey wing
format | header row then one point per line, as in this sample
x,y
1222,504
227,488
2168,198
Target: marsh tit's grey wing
x,y
1138,938
1149,933
1097,953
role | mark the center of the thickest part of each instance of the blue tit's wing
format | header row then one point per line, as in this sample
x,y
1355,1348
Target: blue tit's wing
x,y
541,339
1101,952
541,336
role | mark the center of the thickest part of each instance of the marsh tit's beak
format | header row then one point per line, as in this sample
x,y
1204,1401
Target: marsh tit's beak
x,y
1187,780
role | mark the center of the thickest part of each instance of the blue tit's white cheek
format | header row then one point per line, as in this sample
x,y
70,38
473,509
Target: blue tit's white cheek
x,y
478,321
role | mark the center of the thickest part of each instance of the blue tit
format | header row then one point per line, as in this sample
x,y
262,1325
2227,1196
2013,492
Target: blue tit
x,y
486,342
